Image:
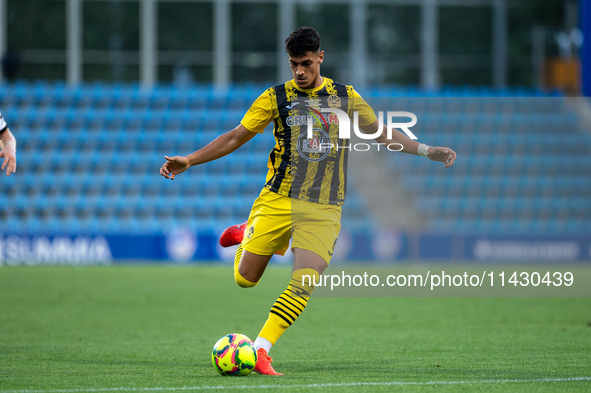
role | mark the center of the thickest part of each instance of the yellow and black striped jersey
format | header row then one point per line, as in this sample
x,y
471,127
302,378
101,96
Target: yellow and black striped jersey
x,y
301,167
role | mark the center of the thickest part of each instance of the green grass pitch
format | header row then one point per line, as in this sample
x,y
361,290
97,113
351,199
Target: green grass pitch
x,y
152,327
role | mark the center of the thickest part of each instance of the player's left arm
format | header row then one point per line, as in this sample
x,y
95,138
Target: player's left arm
x,y
8,151
435,153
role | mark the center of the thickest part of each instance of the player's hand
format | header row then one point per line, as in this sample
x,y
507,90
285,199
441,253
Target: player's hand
x,y
442,154
173,166
9,155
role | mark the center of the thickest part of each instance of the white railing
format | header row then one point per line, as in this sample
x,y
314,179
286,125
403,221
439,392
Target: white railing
x,y
148,58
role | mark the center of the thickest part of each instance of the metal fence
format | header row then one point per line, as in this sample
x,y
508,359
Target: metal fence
x,y
358,63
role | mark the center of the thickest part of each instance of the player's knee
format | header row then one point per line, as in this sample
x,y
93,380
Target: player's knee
x,y
243,282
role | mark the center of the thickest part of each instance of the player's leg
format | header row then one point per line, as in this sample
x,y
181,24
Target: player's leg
x,y
315,234
308,266
266,232
271,235
248,267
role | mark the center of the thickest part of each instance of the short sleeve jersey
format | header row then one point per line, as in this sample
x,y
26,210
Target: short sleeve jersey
x,y
299,166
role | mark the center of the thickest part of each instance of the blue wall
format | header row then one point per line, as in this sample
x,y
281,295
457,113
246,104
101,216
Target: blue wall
x,y
185,246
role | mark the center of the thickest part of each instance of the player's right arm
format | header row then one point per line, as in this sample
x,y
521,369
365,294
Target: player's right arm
x,y
254,121
219,147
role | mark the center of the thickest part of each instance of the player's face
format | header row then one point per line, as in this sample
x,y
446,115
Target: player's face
x,y
306,69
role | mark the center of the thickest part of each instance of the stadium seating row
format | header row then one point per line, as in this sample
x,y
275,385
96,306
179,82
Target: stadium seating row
x,y
89,159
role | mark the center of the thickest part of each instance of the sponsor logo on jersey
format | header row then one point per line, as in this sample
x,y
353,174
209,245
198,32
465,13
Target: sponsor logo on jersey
x,y
315,148
302,120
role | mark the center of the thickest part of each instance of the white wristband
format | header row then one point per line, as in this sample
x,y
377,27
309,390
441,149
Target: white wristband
x,y
423,150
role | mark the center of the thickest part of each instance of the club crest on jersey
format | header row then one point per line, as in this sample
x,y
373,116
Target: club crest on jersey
x,y
315,148
250,232
334,101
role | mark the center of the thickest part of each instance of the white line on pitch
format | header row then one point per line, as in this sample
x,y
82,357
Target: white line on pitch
x,y
313,385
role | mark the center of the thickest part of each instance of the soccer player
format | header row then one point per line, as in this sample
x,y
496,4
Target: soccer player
x,y
8,148
306,182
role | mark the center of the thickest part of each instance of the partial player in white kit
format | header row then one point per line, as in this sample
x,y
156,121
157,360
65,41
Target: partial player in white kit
x,y
7,148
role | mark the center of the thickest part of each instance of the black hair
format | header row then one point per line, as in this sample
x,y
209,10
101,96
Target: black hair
x,y
302,40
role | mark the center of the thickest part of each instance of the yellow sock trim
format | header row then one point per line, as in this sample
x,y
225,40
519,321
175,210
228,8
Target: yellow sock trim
x,y
303,281
290,304
237,257
241,281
